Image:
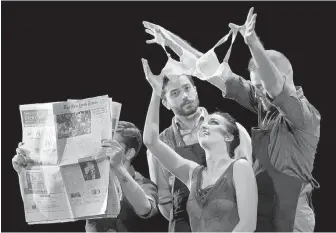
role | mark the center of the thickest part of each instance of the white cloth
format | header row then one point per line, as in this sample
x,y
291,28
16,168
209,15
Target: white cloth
x,y
204,68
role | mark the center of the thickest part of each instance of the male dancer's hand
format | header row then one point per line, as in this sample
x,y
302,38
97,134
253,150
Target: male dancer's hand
x,y
19,160
247,30
114,151
155,30
156,81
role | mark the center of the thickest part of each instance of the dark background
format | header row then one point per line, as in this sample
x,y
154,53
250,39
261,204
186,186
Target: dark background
x,y
52,51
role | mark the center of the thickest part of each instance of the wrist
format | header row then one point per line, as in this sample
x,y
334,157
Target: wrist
x,y
157,93
252,40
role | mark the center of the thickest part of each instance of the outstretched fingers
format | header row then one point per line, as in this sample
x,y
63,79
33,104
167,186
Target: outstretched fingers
x,y
149,25
234,26
149,31
251,25
152,41
146,67
250,14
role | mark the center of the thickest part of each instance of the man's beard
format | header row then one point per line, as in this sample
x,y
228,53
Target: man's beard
x,y
181,111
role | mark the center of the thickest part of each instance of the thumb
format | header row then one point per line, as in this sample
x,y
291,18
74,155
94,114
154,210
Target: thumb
x,y
234,26
144,61
146,67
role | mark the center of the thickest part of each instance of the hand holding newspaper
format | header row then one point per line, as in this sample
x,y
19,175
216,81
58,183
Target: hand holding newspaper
x,y
68,175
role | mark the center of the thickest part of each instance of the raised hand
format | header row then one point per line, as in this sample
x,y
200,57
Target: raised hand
x,y
155,30
19,160
247,30
114,151
156,81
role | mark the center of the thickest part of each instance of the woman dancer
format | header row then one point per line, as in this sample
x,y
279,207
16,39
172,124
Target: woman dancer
x,y
223,196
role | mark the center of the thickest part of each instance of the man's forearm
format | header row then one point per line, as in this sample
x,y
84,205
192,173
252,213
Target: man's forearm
x,y
133,192
236,88
157,176
269,74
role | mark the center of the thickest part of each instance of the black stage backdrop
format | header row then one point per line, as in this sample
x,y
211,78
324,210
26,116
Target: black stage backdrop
x,y
52,51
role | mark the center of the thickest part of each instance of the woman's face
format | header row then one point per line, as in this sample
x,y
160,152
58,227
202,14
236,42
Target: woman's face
x,y
213,130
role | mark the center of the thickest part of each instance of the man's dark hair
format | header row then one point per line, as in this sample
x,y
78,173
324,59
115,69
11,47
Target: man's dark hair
x,y
233,129
131,136
166,81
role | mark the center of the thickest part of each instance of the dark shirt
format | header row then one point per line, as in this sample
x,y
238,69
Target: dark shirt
x,y
128,220
294,124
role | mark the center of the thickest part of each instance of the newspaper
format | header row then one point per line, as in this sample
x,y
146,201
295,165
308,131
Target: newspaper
x,y
68,176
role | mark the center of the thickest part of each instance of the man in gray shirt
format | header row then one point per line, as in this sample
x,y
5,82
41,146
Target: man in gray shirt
x,y
288,134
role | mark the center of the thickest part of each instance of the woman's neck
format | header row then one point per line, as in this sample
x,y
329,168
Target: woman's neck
x,y
217,160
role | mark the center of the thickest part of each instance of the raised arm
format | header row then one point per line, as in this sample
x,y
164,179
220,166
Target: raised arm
x,y
236,88
160,177
142,204
172,161
245,146
270,76
297,110
166,156
290,102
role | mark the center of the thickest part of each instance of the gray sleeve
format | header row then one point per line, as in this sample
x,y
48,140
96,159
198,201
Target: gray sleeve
x,y
242,91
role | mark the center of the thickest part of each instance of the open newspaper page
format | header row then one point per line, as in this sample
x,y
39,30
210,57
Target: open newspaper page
x,y
41,183
68,176
84,167
114,191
